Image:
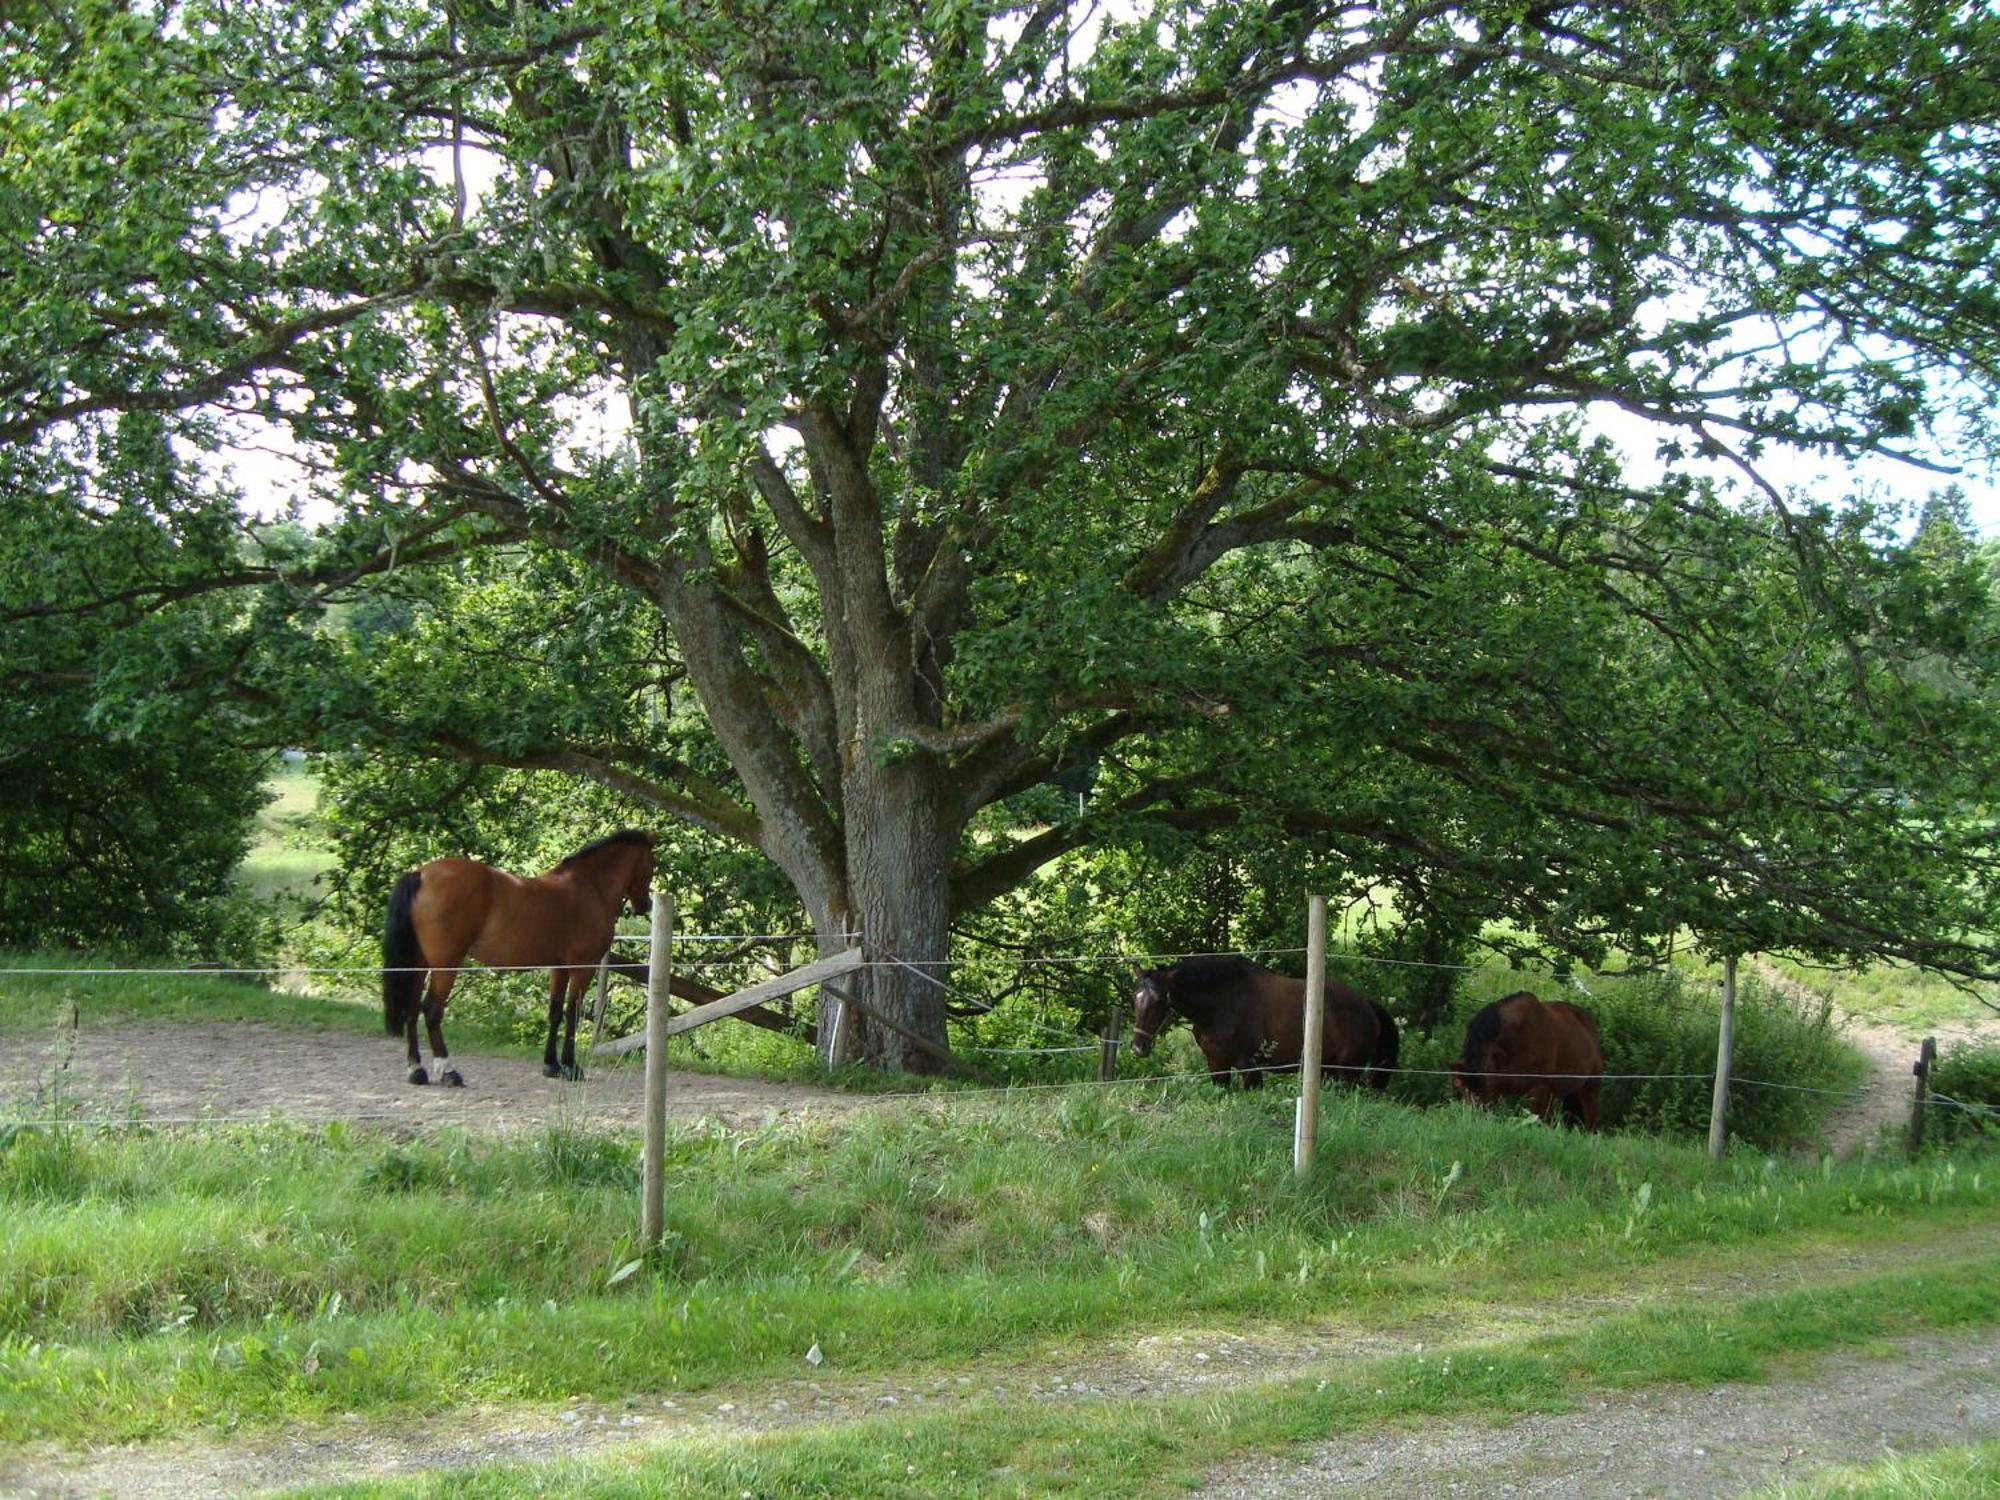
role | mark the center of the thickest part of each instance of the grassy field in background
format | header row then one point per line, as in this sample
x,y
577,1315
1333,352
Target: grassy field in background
x,y
1896,996
288,852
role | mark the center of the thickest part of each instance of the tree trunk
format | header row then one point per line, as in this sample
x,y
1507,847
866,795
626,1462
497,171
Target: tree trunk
x,y
899,890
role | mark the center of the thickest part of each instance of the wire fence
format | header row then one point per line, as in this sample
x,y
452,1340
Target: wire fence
x,y
1069,1043
930,1097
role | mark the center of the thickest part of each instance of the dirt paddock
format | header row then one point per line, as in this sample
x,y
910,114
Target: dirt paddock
x,y
176,1071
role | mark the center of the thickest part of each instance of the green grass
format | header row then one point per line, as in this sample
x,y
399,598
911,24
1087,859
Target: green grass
x,y
1951,1473
1137,1448
34,1006
289,852
151,1283
1897,996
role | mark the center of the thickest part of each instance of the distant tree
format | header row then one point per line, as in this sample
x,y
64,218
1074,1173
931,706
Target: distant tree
x,y
1186,406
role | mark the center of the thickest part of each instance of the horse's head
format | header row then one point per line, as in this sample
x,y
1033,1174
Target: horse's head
x,y
1152,1006
639,885
1464,1084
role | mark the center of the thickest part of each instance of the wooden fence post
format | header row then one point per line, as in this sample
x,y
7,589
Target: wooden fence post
x,y
1305,1134
1725,1042
1925,1058
1107,1052
658,979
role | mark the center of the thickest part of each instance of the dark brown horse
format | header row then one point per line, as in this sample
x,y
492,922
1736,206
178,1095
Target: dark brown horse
x,y
1247,1018
452,909
1548,1052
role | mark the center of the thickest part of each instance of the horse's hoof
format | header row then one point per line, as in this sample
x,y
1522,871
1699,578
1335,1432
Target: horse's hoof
x,y
418,1075
572,1072
550,1070
452,1078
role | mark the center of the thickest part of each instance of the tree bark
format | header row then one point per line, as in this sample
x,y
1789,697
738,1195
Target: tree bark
x,y
899,850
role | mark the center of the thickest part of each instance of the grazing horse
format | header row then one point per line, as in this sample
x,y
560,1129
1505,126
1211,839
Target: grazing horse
x,y
1250,1019
451,909
1548,1052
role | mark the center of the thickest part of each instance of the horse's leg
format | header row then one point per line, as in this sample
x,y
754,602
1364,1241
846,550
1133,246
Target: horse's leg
x,y
440,1054
1542,1100
558,982
436,993
579,981
1587,1103
1218,1069
417,1073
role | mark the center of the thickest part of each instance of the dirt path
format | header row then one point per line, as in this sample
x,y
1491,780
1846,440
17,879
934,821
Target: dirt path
x,y
1889,1050
1950,1379
165,1071
1678,1443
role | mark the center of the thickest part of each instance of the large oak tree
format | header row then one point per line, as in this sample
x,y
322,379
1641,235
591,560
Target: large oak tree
x,y
853,429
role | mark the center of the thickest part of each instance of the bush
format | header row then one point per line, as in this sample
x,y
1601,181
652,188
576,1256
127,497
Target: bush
x,y
1966,1082
1665,1025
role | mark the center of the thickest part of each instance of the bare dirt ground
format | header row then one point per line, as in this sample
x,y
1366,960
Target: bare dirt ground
x,y
206,1070
1714,1443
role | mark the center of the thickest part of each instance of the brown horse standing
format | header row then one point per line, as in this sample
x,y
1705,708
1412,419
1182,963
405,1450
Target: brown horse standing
x,y
1250,1019
452,909
1548,1052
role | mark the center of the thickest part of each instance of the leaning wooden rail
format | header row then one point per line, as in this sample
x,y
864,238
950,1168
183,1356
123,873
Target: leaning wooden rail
x,y
770,989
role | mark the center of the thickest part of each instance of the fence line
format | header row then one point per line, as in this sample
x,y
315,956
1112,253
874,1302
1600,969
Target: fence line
x,y
1017,1088
850,1101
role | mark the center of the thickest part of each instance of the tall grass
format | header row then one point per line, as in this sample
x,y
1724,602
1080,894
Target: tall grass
x,y
1951,1473
151,1280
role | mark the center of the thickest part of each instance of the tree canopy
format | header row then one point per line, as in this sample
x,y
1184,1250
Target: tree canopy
x,y
856,431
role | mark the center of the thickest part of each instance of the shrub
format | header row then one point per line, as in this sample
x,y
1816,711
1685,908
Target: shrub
x,y
1965,1081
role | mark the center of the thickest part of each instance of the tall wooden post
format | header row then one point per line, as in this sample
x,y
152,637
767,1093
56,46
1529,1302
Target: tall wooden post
x,y
1305,1135
1107,1052
659,966
1725,1042
1925,1057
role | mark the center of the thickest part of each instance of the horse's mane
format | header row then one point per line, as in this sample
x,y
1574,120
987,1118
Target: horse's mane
x,y
1480,1033
609,841
1209,971
1483,1030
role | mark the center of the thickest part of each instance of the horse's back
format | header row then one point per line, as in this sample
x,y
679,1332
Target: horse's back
x,y
464,907
1581,1037
1354,1035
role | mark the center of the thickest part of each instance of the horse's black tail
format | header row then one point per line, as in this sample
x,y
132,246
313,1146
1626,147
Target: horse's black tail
x,y
402,957
1387,1045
